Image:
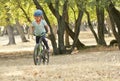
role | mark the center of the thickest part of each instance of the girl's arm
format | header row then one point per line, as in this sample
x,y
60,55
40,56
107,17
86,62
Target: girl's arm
x,y
47,29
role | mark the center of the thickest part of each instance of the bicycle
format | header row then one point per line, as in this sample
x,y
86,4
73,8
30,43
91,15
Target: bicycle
x,y
41,55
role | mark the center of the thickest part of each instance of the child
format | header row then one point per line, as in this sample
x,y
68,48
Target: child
x,y
39,27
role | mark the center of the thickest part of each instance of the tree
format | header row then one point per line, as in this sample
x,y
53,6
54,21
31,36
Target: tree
x,y
22,7
16,19
9,27
90,26
101,25
115,20
62,23
20,30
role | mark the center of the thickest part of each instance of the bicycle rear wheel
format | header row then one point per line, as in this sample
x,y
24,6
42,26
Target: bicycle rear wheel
x,y
45,57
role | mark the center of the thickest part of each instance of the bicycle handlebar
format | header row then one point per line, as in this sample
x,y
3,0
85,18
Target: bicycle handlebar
x,y
42,34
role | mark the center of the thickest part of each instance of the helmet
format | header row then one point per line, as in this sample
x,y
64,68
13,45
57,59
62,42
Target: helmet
x,y
38,13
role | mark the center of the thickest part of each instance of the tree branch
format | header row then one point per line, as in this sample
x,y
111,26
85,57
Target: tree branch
x,y
53,10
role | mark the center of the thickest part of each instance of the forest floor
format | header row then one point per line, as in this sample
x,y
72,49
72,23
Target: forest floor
x,y
92,64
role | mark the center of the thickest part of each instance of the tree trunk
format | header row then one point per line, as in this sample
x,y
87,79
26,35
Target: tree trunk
x,y
116,16
67,43
100,19
117,36
79,45
90,26
115,19
61,27
10,35
52,37
21,32
61,24
77,29
61,31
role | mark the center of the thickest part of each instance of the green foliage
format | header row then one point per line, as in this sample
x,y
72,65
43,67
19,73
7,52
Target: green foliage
x,y
15,11
49,14
73,7
48,1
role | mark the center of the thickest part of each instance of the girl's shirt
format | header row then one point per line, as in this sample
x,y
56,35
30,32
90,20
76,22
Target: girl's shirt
x,y
39,28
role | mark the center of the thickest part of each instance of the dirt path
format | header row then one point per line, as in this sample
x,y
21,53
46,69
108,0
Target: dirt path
x,y
90,66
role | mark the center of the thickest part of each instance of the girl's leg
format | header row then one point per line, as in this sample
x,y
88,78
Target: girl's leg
x,y
45,42
37,39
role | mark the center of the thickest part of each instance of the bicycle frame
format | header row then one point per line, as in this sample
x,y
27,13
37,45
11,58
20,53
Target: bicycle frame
x,y
41,46
39,53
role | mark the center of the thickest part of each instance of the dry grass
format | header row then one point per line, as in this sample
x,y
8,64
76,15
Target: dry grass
x,y
89,64
98,49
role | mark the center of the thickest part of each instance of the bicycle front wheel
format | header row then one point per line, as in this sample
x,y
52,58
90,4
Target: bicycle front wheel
x,y
37,56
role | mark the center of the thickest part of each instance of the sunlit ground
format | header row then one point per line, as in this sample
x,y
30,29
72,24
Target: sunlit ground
x,y
94,64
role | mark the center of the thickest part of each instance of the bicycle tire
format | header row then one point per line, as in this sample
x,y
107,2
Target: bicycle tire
x,y
46,57
38,55
41,55
35,55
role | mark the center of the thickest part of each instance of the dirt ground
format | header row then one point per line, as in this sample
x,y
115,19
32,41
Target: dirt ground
x,y
89,65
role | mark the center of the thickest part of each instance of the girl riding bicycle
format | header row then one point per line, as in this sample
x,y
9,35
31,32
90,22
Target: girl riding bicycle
x,y
40,27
